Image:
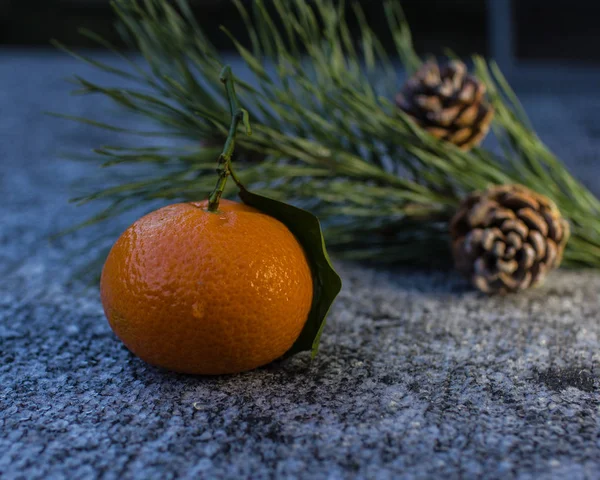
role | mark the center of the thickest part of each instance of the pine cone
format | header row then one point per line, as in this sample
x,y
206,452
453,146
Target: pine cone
x,y
507,238
448,103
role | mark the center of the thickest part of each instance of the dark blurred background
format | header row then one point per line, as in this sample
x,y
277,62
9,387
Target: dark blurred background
x,y
510,30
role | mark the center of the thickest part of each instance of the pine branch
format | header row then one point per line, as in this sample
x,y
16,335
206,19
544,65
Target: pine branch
x,y
325,132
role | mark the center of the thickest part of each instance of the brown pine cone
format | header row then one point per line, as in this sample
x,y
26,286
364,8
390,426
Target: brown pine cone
x,y
507,238
448,103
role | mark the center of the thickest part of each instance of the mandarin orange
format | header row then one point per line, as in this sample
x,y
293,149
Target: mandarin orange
x,y
207,292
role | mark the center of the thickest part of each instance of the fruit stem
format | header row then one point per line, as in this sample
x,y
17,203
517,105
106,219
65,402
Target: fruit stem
x,y
238,114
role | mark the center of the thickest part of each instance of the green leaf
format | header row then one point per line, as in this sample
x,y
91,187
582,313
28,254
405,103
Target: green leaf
x,y
326,282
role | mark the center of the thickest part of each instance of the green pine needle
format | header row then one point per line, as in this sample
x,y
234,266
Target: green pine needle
x,y
326,134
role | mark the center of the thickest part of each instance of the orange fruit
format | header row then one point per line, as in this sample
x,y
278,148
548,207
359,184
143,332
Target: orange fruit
x,y
207,293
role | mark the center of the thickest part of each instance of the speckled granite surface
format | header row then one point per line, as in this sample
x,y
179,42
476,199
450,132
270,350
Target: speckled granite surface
x,y
418,376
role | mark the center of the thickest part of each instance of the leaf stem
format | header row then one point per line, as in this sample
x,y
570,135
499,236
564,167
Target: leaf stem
x,y
238,115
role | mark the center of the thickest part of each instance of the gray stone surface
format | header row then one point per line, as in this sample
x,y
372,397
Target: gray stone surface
x,y
418,376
